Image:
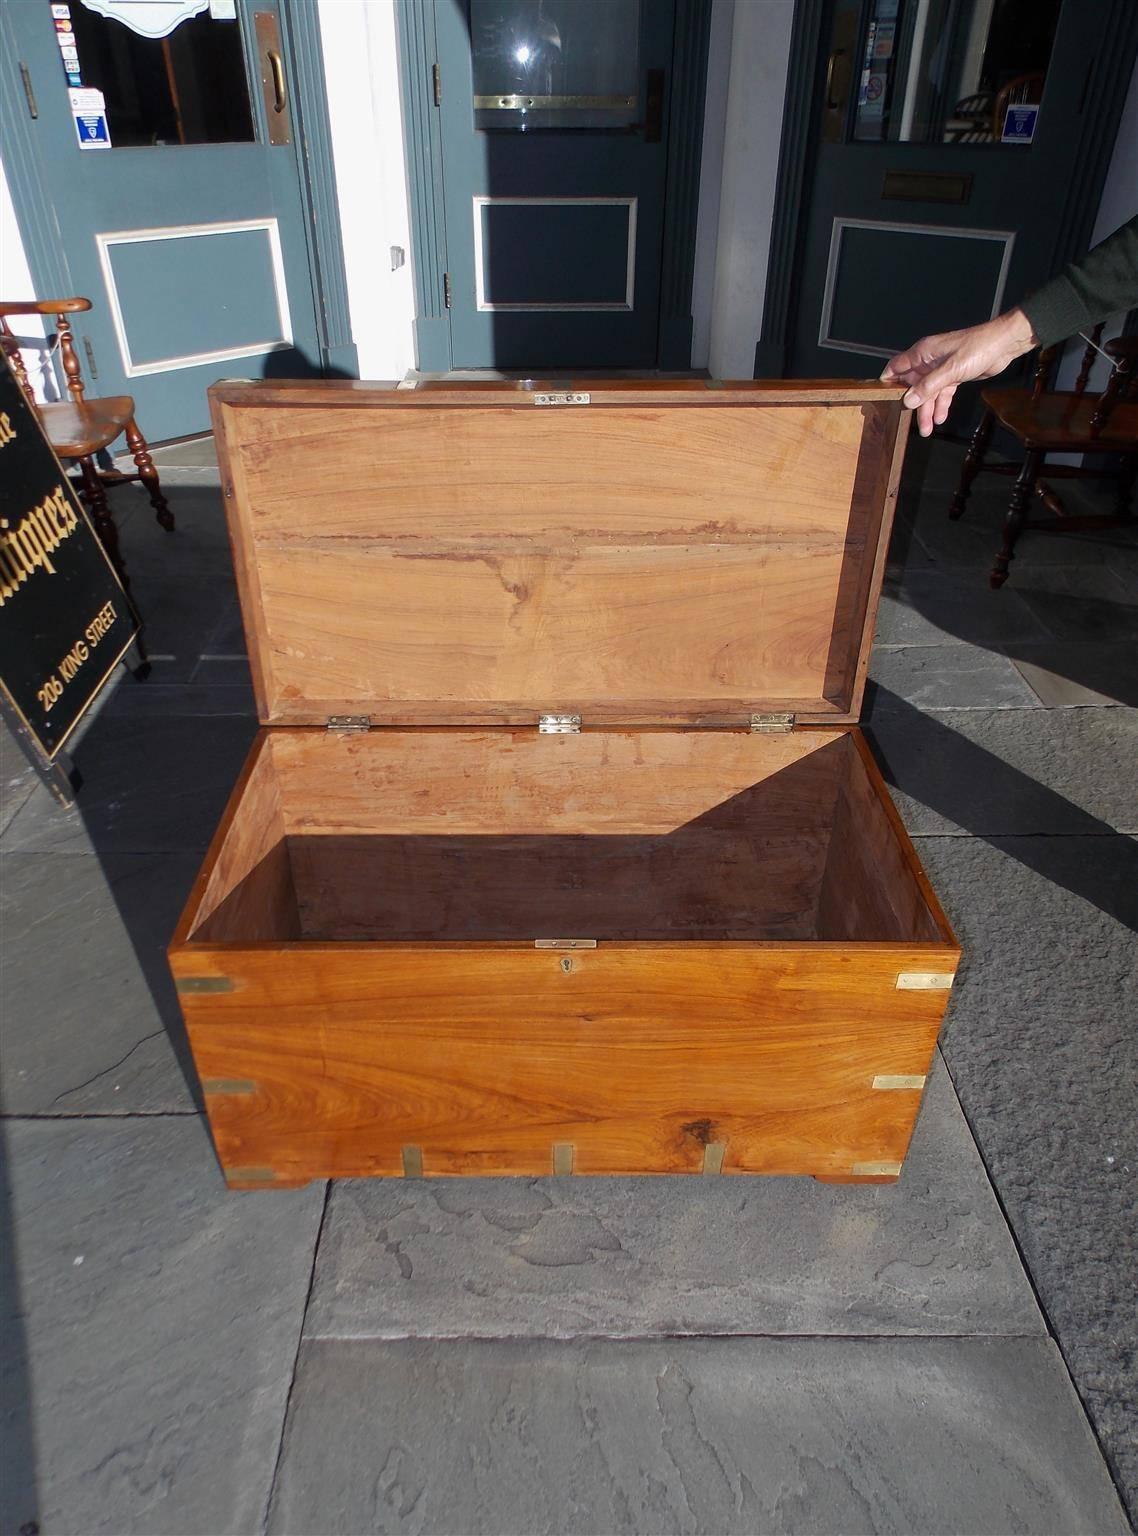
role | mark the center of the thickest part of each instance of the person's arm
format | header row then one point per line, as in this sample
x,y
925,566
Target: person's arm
x,y
936,365
1103,283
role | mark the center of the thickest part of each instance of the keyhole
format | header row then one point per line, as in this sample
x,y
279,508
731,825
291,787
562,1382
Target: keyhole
x,y
566,964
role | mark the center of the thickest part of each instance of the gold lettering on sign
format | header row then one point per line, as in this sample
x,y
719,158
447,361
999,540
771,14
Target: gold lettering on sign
x,y
67,669
7,430
29,545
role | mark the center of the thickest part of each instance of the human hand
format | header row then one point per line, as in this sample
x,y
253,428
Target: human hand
x,y
936,365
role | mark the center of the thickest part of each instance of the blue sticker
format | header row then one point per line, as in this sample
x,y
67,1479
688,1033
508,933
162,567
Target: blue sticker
x,y
1019,124
93,131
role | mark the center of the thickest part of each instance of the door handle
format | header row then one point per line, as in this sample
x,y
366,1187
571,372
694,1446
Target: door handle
x,y
274,86
280,90
831,65
654,106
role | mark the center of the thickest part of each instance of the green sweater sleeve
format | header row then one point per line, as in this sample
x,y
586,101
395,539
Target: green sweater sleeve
x,y
1104,283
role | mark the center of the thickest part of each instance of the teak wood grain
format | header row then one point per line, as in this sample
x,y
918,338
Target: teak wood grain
x,y
362,1037
470,557
637,1056
749,967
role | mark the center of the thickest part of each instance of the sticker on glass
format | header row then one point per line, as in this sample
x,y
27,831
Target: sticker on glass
x,y
89,112
1019,124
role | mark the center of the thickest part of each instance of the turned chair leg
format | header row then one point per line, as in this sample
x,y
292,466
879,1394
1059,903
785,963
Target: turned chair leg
x,y
140,452
1022,493
973,464
96,498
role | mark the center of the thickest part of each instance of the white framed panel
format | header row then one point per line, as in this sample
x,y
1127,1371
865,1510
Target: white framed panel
x,y
621,306
109,240
1002,237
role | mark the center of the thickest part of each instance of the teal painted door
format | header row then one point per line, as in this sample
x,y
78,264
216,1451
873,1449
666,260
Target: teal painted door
x,y
554,131
949,135
187,233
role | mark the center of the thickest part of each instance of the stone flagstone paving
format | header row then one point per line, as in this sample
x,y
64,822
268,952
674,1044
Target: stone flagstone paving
x,y
595,1355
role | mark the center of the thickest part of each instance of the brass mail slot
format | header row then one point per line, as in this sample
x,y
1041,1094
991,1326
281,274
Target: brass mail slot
x,y
928,186
517,103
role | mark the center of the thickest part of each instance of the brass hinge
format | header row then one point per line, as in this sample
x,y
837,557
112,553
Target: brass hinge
x,y
348,723
437,84
446,290
770,725
568,397
559,725
564,943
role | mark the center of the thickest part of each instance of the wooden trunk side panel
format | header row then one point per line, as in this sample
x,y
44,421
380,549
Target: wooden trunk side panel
x,y
698,883
869,888
243,895
261,906
519,783
486,564
249,825
637,1058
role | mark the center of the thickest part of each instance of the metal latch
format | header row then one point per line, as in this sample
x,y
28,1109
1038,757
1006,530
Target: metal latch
x,y
771,725
564,943
349,723
559,725
568,398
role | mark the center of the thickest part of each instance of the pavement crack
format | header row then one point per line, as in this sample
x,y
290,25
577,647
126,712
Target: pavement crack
x,y
114,1066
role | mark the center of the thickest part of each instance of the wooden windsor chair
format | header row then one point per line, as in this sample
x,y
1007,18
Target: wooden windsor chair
x,y
81,427
1046,421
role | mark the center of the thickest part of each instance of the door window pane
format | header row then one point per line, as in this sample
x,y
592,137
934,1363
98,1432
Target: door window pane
x,y
555,63
945,72
187,88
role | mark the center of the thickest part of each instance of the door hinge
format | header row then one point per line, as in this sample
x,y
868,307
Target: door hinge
x,y
348,723
29,94
570,397
437,84
446,290
559,725
92,366
771,725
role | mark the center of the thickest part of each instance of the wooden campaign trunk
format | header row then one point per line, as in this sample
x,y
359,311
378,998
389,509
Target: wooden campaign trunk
x,y
560,849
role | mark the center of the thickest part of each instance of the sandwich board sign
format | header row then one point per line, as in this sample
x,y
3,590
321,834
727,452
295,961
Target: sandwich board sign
x,y
65,619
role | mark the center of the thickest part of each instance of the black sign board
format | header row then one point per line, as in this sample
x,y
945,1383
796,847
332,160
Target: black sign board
x,y
65,621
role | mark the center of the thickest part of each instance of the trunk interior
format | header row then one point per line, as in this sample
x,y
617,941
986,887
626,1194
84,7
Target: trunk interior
x,y
461,836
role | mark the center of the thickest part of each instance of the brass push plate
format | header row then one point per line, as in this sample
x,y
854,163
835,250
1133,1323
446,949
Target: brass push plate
x,y
274,86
